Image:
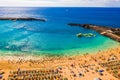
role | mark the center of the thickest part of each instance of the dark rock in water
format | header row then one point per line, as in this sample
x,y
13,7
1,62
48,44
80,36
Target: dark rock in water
x,y
79,35
14,19
73,24
85,35
113,33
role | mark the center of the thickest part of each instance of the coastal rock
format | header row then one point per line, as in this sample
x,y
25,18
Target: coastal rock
x,y
85,35
113,33
79,35
14,19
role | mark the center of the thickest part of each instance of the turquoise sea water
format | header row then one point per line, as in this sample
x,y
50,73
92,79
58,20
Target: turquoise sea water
x,y
55,37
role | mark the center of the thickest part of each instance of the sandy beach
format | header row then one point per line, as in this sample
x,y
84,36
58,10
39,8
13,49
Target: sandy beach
x,y
103,65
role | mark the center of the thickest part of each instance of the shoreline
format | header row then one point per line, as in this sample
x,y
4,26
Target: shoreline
x,y
69,52
36,57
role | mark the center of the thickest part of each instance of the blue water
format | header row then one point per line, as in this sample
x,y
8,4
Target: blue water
x,y
55,37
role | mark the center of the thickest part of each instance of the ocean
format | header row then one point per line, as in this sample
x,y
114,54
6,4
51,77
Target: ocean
x,y
55,37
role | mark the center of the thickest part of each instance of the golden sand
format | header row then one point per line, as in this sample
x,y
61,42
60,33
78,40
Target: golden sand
x,y
72,66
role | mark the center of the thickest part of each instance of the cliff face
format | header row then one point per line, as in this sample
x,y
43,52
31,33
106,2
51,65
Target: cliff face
x,y
113,33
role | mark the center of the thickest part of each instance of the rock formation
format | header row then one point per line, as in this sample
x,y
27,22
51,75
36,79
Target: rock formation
x,y
85,35
113,33
14,19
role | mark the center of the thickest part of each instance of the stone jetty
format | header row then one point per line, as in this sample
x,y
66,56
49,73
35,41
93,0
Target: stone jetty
x,y
113,33
14,19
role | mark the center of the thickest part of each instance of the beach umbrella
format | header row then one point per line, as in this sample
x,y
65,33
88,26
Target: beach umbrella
x,y
60,67
100,70
97,79
80,74
65,78
1,76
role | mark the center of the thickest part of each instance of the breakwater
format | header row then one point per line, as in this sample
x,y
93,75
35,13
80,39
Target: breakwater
x,y
113,33
14,19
